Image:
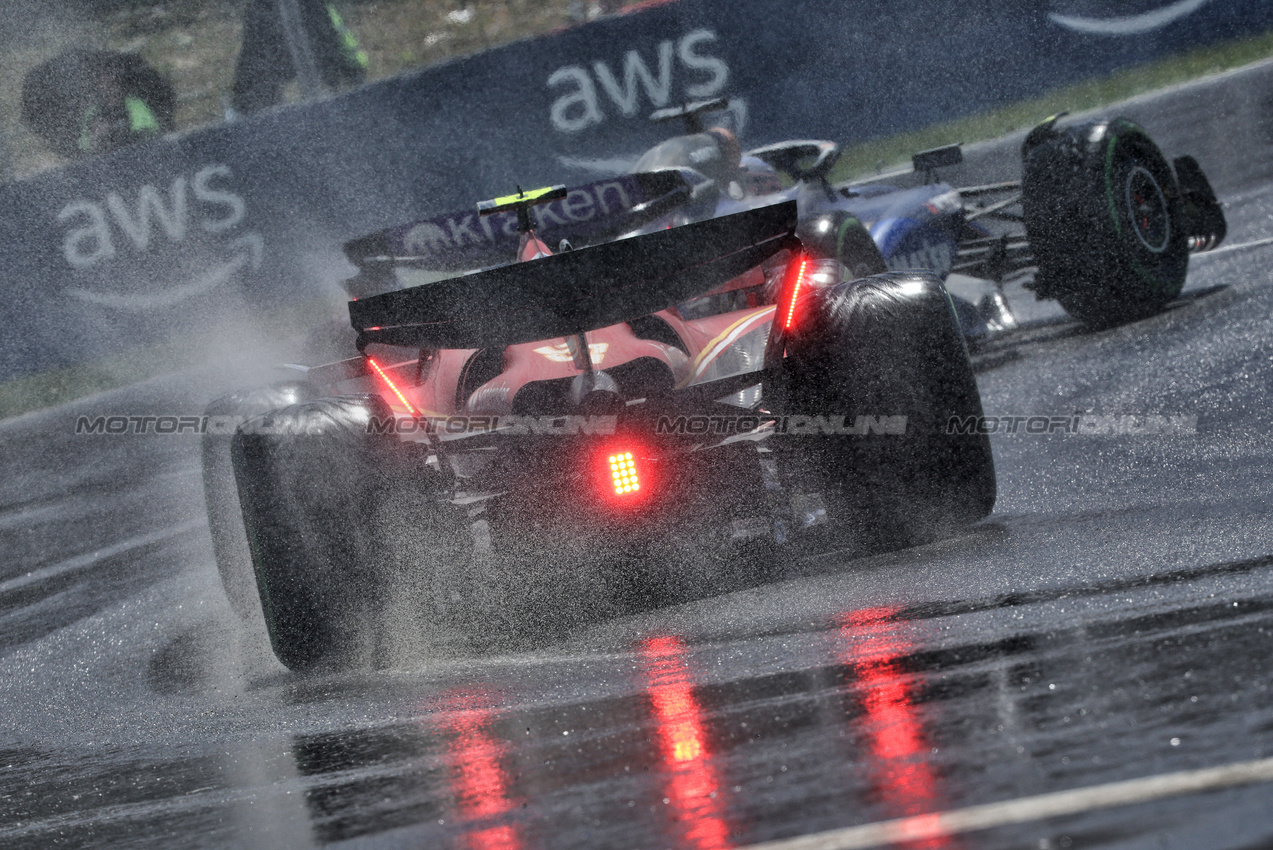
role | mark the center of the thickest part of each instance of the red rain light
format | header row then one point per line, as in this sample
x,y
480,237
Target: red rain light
x,y
392,386
794,291
623,474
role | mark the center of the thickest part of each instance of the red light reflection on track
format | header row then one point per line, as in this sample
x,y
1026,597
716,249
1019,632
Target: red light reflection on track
x,y
871,646
693,786
478,779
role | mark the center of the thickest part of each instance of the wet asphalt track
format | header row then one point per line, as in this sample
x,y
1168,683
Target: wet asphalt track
x,y
1112,621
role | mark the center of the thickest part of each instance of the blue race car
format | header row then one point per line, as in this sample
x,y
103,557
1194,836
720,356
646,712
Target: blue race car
x,y
1101,221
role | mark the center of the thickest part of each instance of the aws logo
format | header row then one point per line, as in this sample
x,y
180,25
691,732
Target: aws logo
x,y
189,209
678,70
1130,24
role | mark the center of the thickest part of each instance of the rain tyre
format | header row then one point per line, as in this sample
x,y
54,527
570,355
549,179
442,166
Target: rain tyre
x,y
888,346
340,519
1105,218
221,496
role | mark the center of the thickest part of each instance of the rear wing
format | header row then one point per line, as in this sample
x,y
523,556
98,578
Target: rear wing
x,y
576,291
585,215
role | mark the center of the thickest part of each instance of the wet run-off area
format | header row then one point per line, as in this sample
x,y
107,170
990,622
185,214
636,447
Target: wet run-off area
x,y
1089,667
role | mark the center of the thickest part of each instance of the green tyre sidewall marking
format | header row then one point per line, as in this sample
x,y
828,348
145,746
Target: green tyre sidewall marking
x,y
1154,281
848,222
954,315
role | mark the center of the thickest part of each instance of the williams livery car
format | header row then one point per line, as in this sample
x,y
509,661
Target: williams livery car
x,y
625,420
1100,220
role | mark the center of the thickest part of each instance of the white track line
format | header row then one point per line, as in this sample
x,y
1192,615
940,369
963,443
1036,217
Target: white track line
x,y
1027,809
1241,246
81,561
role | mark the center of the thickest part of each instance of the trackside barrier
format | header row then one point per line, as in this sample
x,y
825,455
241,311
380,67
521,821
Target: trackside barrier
x,y
150,243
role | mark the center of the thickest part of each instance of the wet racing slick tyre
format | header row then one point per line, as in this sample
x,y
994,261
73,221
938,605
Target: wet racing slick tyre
x,y
888,346
341,519
1104,215
225,516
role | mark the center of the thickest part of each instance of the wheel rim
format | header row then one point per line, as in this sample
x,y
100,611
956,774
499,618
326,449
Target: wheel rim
x,y
1147,209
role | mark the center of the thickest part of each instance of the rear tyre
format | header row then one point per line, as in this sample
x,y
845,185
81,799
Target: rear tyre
x,y
843,237
1105,218
890,346
225,516
335,517
857,250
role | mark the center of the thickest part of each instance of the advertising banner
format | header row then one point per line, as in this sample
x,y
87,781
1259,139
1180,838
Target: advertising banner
x,y
151,242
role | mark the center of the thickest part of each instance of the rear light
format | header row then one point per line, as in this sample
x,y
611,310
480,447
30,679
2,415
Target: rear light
x,y
392,386
623,474
791,289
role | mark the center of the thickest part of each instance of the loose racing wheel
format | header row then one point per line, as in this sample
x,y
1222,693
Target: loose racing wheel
x,y
1104,215
888,346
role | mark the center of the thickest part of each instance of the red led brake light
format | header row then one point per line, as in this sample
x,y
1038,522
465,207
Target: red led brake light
x,y
623,474
392,386
800,264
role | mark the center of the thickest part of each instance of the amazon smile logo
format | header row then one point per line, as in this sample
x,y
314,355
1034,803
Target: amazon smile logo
x,y
198,209
1129,24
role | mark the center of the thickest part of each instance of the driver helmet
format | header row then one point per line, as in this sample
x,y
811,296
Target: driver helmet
x,y
758,177
730,151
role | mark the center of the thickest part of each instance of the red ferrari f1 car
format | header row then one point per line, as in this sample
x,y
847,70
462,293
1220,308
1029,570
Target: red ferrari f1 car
x,y
588,431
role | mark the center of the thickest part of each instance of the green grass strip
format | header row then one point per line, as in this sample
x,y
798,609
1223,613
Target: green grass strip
x,y
863,160
57,386
46,389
